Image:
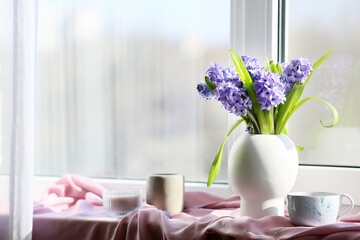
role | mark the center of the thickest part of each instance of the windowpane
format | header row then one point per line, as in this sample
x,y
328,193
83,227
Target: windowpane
x,y
116,92
328,24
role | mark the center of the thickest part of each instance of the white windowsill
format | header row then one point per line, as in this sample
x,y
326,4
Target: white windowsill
x,y
41,183
310,178
316,179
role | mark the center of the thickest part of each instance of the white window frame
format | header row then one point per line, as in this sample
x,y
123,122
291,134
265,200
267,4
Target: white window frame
x,y
245,14
253,41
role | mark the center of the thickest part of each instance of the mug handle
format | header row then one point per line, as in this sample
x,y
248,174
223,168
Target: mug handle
x,y
347,210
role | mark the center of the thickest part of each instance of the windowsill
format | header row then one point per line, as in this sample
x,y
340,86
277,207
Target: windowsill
x,y
314,179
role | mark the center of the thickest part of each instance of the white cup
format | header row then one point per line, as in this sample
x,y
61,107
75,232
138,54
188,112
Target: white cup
x,y
166,192
316,208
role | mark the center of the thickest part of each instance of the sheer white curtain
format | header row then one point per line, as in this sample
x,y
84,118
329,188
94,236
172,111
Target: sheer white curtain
x,y
17,129
117,87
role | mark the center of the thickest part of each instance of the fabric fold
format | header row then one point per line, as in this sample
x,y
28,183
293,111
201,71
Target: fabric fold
x,y
72,209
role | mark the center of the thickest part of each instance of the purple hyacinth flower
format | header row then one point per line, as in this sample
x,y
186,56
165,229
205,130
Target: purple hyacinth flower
x,y
296,71
234,99
216,73
229,91
219,74
269,90
253,67
204,91
231,75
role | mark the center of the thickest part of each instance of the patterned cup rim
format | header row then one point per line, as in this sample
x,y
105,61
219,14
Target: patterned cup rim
x,y
312,194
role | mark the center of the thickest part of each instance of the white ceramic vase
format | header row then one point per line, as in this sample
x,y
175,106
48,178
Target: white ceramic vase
x,y
262,170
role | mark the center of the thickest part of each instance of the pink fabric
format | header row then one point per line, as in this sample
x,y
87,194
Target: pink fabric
x,y
67,191
71,209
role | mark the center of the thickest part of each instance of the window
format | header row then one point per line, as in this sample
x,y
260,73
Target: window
x,y
116,85
254,32
330,24
117,82
312,31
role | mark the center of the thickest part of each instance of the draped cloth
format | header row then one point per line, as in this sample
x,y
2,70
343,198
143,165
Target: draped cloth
x,y
72,209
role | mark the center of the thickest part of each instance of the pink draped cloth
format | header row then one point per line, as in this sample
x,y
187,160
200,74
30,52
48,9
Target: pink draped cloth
x,y
72,209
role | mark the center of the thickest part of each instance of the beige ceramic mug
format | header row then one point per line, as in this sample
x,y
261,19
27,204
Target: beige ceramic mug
x,y
166,192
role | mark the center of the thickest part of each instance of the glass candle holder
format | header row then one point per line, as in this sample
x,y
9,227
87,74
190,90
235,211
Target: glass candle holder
x,y
120,200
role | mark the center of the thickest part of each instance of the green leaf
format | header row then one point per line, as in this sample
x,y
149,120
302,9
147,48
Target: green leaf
x,y
244,74
249,85
335,113
292,98
284,131
211,85
321,60
299,148
279,69
317,64
273,67
267,63
215,167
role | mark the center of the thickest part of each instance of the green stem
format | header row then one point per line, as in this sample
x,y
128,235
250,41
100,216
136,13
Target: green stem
x,y
276,111
262,120
252,118
269,122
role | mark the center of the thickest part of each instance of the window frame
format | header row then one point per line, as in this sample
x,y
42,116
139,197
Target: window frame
x,y
273,31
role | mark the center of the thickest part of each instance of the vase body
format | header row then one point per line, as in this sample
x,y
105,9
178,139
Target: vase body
x,y
262,170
